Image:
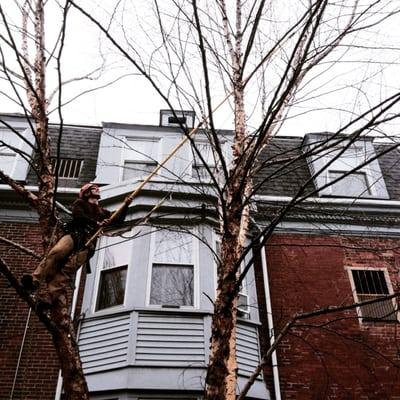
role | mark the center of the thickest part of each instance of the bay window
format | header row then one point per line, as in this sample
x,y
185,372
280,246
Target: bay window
x,y
114,259
172,269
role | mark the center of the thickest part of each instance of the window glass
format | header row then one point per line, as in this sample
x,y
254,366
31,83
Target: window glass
x,y
199,171
353,185
370,284
135,169
7,156
172,277
113,274
172,285
173,247
140,158
141,150
112,287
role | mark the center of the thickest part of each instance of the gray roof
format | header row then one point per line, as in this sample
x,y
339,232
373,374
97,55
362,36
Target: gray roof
x,y
390,167
78,142
280,177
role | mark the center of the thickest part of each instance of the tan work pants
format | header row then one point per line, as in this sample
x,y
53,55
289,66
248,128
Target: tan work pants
x,y
53,271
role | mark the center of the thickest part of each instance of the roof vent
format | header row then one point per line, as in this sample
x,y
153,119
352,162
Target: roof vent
x,y
168,118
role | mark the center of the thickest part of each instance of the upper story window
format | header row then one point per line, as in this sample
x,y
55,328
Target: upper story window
x,y
68,168
140,158
114,259
356,183
369,284
7,155
345,171
14,163
172,282
199,171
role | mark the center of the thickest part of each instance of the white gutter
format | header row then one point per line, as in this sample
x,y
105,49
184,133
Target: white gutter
x,y
73,309
35,189
335,201
274,358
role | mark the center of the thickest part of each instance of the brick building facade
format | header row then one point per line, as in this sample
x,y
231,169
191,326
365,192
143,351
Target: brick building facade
x,y
338,356
29,363
331,250
312,261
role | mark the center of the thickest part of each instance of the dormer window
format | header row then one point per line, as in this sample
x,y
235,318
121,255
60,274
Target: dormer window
x,y
345,170
14,163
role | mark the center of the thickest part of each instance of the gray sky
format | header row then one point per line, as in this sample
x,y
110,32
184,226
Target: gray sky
x,y
324,103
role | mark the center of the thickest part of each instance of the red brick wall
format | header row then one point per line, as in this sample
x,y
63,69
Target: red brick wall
x,y
38,369
332,357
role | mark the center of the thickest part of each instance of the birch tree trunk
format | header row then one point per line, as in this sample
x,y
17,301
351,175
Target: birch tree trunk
x,y
59,324
222,371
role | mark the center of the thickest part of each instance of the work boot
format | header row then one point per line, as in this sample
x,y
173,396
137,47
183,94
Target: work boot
x,y
29,284
43,305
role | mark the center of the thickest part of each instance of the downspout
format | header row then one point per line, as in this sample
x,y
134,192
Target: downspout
x,y
274,358
73,309
20,353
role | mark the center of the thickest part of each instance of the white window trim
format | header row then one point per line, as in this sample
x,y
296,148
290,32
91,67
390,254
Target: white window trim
x,y
203,141
196,277
19,166
354,291
99,269
126,150
318,164
371,190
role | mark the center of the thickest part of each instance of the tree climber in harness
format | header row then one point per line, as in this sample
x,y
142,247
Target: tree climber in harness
x,y
70,252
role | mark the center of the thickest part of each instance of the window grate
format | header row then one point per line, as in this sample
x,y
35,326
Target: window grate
x,y
369,285
69,168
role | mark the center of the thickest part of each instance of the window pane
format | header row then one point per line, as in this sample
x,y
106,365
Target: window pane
x,y
370,282
173,247
199,171
7,163
141,150
205,150
369,285
133,169
172,285
353,185
117,252
8,138
112,287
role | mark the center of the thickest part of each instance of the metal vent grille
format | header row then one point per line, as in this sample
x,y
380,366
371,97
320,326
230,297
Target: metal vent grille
x,y
69,168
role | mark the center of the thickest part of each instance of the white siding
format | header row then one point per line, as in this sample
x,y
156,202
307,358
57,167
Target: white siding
x,y
164,339
247,349
103,343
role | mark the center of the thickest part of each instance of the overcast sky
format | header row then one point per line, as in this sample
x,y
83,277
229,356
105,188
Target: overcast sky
x,y
131,99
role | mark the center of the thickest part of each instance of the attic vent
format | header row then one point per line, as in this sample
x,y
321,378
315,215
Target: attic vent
x,y
177,118
69,168
174,120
